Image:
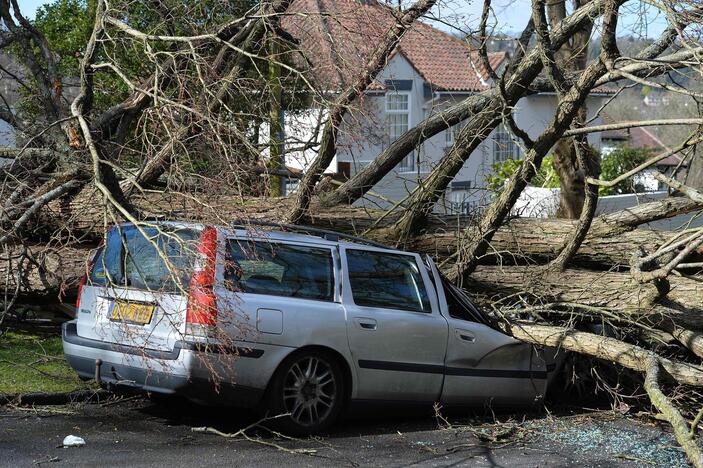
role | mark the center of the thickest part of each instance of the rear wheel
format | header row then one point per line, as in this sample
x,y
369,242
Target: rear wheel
x,y
309,389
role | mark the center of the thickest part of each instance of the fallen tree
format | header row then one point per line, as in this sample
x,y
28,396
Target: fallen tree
x,y
603,295
602,347
520,241
40,272
183,143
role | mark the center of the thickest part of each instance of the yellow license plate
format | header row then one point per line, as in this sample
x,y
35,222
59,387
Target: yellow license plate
x,y
133,312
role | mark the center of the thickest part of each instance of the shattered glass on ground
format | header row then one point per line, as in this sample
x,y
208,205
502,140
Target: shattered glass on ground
x,y
610,437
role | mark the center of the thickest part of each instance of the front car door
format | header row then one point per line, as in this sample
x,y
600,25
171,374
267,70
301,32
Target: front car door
x,y
397,336
483,365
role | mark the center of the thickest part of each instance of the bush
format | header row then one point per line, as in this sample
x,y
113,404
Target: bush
x,y
618,162
546,177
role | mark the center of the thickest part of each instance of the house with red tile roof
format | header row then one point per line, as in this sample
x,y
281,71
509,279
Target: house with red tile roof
x,y
637,138
429,71
642,138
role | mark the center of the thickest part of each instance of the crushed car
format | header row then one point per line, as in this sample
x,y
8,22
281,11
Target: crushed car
x,y
292,320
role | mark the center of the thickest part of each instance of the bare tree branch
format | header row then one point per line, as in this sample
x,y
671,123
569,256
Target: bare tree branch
x,y
328,144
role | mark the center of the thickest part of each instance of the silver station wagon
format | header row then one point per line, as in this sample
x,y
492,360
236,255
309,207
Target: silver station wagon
x,y
299,323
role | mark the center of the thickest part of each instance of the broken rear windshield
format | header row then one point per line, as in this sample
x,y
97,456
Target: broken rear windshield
x,y
129,259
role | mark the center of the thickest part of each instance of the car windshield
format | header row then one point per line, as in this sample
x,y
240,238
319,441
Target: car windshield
x,y
280,270
160,261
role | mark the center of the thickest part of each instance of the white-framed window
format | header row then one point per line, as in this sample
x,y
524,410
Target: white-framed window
x,y
291,186
452,133
398,122
463,199
504,145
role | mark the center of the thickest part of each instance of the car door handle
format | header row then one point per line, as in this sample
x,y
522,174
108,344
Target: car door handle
x,y
466,336
366,323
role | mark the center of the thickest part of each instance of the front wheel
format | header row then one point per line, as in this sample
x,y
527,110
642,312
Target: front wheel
x,y
308,389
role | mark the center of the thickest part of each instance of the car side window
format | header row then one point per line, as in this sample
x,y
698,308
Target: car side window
x,y
279,270
392,281
457,310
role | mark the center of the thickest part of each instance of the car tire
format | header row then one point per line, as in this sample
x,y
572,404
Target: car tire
x,y
308,388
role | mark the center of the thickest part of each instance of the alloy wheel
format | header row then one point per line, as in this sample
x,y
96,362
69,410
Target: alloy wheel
x,y
310,390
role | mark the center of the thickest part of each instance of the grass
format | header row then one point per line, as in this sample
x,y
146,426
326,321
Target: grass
x,y
32,362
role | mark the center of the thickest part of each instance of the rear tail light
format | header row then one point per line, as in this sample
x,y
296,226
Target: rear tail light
x,y
88,268
201,314
80,290
84,278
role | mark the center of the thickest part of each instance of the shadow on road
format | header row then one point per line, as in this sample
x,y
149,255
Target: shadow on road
x,y
358,420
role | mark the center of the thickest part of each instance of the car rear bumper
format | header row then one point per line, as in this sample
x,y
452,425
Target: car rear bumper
x,y
186,370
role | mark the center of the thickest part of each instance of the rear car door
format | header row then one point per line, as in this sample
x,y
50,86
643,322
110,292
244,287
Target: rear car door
x,y
397,336
280,293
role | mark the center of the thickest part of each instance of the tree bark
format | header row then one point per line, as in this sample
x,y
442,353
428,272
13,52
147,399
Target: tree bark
x,y
681,431
694,174
610,242
601,347
615,292
526,241
570,58
276,127
528,236
571,180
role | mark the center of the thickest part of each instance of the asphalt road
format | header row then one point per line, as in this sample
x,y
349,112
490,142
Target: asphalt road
x,y
140,432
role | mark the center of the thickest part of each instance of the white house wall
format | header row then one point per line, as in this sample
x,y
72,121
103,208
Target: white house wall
x,y
533,114
7,134
302,129
362,138
354,144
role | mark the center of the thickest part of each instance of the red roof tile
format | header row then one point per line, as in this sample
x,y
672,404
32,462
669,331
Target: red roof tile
x,y
337,36
640,137
603,89
446,61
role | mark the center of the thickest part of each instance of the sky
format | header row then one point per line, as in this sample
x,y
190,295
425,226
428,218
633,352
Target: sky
x,y
512,14
29,7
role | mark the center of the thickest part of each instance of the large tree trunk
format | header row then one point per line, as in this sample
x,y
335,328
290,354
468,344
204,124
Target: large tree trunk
x,y
527,241
617,293
572,181
694,175
82,216
611,240
570,58
601,347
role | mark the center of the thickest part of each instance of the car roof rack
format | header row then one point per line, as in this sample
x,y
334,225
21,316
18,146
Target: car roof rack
x,y
326,234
